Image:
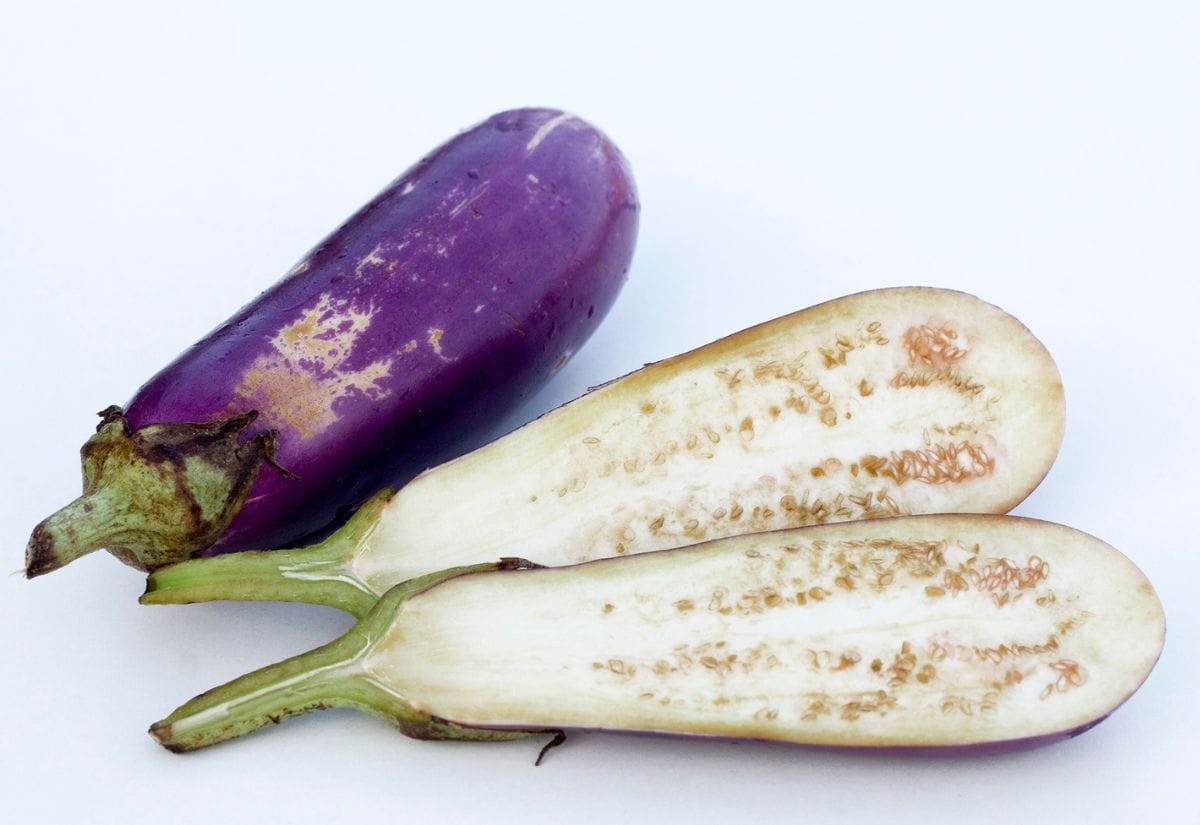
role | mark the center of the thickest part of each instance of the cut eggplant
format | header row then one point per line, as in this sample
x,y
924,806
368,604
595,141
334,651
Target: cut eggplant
x,y
943,631
885,403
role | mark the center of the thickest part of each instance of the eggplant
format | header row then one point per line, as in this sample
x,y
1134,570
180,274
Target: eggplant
x,y
443,302
884,403
925,632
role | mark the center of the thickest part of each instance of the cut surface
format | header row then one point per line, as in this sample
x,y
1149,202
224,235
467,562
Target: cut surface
x,y
885,403
930,631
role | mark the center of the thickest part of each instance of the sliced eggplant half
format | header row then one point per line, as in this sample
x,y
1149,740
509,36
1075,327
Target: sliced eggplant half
x,y
946,631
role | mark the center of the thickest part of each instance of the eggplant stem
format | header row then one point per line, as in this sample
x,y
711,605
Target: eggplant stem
x,y
334,675
320,679
560,736
81,527
304,575
321,573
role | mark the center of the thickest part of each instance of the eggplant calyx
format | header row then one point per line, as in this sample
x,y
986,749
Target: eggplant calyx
x,y
336,675
155,495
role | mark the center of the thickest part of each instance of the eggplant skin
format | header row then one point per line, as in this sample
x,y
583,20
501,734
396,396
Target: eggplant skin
x,y
443,302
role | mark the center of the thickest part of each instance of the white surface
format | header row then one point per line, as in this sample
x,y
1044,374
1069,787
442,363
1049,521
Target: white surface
x,y
160,167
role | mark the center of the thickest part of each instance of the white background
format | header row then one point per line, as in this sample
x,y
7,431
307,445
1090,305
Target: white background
x,y
160,166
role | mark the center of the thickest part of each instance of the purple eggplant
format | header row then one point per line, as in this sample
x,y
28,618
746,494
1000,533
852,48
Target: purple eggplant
x,y
443,302
966,632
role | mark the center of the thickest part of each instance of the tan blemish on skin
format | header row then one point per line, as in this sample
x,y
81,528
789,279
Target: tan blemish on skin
x,y
562,360
371,258
435,340
300,268
297,384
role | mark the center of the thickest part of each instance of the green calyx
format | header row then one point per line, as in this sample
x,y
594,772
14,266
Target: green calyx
x,y
154,495
336,675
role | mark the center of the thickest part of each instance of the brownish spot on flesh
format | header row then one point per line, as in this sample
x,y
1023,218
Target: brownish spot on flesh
x,y
746,429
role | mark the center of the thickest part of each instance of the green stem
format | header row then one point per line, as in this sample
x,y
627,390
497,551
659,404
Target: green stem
x,y
330,676
81,527
319,574
304,575
322,678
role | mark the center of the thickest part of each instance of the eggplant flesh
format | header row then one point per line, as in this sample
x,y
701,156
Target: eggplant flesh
x,y
929,632
885,403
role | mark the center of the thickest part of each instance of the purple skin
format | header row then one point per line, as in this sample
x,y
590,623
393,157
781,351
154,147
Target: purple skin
x,y
443,302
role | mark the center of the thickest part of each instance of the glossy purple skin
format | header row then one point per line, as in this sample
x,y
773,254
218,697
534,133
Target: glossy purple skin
x,y
479,272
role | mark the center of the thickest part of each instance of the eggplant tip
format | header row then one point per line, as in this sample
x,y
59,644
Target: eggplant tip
x,y
161,733
40,557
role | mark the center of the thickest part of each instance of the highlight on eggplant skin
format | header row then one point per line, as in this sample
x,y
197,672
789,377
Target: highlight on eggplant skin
x,y
939,633
888,402
464,285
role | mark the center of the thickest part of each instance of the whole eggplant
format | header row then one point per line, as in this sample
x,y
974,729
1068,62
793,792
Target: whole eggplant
x,y
445,300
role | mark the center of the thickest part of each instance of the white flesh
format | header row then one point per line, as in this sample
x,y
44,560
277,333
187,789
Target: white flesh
x,y
938,630
884,403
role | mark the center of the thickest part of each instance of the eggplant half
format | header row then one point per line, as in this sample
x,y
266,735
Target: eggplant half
x,y
930,632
